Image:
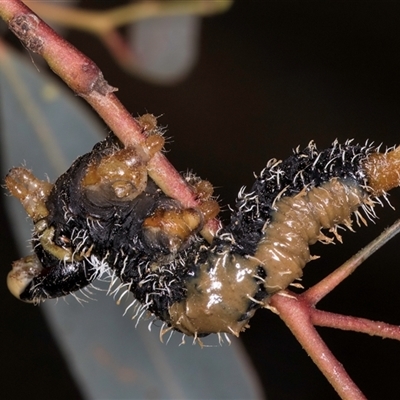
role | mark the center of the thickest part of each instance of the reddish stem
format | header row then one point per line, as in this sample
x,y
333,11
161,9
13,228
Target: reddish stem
x,y
314,294
118,48
355,324
296,313
300,315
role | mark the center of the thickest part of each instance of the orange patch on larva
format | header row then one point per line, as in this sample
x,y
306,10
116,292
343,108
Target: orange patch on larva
x,y
383,171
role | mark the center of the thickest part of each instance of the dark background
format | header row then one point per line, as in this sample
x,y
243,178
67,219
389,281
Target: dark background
x,y
271,75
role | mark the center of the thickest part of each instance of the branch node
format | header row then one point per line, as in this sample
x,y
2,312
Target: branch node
x,y
98,84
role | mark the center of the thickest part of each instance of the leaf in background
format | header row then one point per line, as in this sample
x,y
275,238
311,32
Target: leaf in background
x,y
47,126
165,48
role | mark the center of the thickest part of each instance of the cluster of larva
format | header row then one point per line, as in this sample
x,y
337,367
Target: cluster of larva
x,y
106,216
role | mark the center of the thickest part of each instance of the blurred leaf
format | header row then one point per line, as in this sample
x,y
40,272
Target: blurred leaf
x,y
46,126
165,48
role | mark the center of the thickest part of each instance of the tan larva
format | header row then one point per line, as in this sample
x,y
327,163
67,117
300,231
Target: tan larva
x,y
221,294
105,215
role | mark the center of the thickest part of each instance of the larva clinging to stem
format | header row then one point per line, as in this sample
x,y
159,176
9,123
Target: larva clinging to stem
x,y
106,216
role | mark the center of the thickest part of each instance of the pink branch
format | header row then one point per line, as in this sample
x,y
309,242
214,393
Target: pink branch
x,y
314,294
300,315
355,324
119,49
83,76
295,312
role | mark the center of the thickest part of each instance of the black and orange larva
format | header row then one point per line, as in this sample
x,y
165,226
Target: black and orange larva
x,y
105,215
